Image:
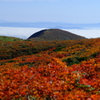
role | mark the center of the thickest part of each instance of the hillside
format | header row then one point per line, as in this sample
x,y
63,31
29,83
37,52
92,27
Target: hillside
x,y
54,34
6,38
62,70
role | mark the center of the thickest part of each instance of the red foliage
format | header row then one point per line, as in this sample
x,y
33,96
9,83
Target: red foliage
x,y
45,76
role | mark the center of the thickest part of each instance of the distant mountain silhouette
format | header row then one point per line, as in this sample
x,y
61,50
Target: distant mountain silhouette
x,y
54,34
58,25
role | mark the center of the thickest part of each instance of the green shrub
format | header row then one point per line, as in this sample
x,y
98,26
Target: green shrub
x,y
75,60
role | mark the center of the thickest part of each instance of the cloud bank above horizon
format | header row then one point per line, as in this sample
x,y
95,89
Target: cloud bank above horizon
x,y
24,33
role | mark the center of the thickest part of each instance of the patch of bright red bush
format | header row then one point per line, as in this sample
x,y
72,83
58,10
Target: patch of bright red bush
x,y
50,80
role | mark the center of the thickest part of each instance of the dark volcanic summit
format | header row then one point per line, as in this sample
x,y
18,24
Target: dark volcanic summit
x,y
54,34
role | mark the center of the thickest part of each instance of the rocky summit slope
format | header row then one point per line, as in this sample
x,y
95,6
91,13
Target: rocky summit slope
x,y
54,34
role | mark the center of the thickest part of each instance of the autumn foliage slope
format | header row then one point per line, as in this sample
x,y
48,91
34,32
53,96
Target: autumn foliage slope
x,y
63,70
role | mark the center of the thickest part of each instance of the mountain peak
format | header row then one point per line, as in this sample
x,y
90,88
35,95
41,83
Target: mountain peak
x,y
54,34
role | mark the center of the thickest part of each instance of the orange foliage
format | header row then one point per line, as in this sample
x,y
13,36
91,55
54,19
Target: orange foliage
x,y
43,76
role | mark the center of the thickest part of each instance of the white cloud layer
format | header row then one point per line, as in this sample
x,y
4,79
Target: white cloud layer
x,y
24,33
88,33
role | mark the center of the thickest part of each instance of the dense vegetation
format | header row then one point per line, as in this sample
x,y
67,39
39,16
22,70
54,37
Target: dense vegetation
x,y
50,70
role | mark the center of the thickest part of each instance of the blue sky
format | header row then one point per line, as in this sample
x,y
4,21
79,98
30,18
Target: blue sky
x,y
70,11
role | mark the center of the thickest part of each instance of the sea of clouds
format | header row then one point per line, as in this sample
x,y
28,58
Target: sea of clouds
x,y
24,33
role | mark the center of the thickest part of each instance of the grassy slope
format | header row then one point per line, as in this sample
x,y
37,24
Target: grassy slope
x,y
6,38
